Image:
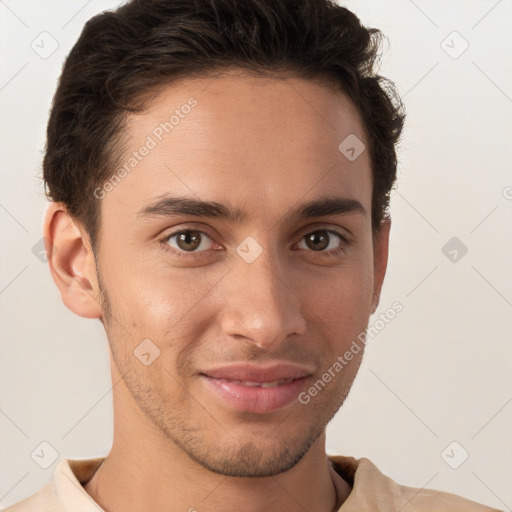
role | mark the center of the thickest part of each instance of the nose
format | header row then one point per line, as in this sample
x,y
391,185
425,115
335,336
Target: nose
x,y
262,303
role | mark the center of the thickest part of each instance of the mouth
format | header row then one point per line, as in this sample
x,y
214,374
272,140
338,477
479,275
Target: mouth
x,y
249,388
271,384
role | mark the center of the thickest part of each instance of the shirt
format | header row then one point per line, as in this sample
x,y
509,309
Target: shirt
x,y
372,491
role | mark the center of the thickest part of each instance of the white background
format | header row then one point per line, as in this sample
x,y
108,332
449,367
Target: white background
x,y
440,372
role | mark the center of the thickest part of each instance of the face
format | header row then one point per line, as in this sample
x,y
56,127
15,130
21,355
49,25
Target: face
x,y
246,304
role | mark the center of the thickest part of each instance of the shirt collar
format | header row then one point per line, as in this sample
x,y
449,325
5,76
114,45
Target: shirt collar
x,y
69,477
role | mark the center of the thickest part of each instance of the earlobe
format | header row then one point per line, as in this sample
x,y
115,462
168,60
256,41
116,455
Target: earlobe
x,y
380,260
71,262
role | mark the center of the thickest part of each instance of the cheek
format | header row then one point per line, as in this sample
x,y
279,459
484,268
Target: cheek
x,y
347,288
342,303
144,288
170,306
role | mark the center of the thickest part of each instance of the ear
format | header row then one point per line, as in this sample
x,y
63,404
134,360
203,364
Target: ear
x,y
380,259
71,261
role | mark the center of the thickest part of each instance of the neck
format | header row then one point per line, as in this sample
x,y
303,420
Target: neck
x,y
130,481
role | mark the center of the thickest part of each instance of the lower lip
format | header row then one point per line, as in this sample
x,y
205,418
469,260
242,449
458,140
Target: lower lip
x,y
255,399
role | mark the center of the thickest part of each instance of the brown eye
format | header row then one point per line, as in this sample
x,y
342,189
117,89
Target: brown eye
x,y
317,241
188,240
326,241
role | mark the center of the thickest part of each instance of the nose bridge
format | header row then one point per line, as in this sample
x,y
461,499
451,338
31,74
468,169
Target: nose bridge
x,y
261,305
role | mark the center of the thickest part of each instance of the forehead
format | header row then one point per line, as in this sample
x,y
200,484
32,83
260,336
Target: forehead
x,y
242,139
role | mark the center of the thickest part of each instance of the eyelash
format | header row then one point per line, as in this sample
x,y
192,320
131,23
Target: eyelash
x,y
183,254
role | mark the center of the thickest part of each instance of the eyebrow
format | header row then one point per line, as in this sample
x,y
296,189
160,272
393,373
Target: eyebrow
x,y
168,206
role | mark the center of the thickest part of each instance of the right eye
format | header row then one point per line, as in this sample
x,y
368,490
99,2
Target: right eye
x,y
186,241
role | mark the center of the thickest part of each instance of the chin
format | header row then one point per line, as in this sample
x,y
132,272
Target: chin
x,y
253,459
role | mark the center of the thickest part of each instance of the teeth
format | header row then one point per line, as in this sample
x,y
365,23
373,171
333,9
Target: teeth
x,y
272,384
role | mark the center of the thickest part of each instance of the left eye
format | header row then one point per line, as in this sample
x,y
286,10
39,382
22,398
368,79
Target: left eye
x,y
322,238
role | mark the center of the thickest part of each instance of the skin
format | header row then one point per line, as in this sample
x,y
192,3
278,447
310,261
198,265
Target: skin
x,y
263,145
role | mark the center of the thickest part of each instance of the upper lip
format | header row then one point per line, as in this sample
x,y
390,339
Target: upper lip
x,y
255,373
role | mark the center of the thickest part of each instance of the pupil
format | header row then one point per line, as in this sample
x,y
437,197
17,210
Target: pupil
x,y
313,236
187,237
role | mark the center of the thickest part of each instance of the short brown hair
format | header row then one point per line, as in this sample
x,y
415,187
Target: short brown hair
x,y
122,55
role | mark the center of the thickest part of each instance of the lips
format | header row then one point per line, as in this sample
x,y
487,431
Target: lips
x,y
250,388
258,374
271,384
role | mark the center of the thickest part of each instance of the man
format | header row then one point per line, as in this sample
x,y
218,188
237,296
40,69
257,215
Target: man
x,y
219,173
